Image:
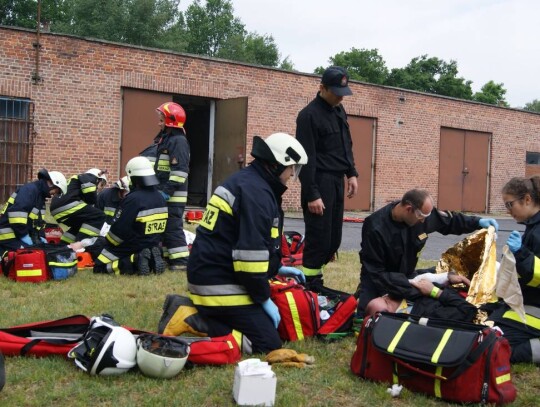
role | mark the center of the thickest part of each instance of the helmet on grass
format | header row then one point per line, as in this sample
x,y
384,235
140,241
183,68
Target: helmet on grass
x,y
160,356
106,348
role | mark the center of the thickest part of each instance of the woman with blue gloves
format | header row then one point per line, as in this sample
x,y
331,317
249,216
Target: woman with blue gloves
x,y
237,248
521,197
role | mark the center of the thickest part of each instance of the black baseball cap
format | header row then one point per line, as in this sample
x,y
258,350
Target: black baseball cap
x,y
336,79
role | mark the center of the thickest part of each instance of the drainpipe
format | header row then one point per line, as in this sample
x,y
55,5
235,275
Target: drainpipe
x,y
36,78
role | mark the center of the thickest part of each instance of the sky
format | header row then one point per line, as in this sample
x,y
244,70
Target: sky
x,y
495,40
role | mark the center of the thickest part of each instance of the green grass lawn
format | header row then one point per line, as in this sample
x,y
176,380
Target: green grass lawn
x,y
137,302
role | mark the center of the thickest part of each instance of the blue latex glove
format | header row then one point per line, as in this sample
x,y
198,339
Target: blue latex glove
x,y
165,195
43,240
487,222
272,310
514,241
293,272
27,240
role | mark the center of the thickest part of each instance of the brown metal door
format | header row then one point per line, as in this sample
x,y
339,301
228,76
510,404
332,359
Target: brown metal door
x,y
463,170
229,138
139,122
363,136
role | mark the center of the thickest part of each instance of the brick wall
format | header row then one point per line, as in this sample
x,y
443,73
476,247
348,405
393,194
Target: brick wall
x,y
78,109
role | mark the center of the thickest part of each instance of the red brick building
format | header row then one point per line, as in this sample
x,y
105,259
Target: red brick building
x,y
91,103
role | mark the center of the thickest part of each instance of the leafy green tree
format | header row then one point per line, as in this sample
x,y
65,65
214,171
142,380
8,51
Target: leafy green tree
x,y
23,13
212,28
432,75
533,106
287,64
362,64
491,93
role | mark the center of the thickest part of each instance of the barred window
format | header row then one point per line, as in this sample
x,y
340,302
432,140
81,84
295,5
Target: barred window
x,y
11,108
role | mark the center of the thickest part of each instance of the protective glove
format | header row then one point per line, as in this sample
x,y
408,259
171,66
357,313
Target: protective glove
x,y
27,240
43,240
514,241
487,222
293,272
272,310
165,195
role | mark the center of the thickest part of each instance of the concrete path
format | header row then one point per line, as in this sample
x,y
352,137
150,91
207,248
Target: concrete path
x,y
436,245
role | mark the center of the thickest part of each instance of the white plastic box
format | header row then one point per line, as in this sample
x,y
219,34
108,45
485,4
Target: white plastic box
x,y
254,384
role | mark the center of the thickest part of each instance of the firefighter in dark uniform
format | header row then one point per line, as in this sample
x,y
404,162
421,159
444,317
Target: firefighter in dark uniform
x,y
170,155
237,247
22,217
522,200
131,245
76,209
109,199
323,131
394,236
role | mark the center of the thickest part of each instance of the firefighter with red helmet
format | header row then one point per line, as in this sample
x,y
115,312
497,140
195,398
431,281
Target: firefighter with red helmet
x,y
170,154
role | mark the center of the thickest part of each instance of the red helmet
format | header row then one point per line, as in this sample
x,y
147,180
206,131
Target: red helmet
x,y
175,116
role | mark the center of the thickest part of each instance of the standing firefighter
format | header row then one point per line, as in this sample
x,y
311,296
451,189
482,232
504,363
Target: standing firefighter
x,y
322,129
75,208
237,248
170,155
21,220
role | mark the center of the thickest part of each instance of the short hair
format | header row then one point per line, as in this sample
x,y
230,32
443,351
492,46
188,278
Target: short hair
x,y
521,186
415,197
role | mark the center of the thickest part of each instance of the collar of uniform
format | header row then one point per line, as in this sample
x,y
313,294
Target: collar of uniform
x,y
277,187
532,220
325,104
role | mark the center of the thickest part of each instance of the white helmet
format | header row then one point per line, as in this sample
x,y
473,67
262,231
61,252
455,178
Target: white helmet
x,y
106,348
141,168
160,356
100,174
280,148
57,178
122,184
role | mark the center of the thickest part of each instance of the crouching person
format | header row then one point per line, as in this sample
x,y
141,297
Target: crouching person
x,y
131,246
237,248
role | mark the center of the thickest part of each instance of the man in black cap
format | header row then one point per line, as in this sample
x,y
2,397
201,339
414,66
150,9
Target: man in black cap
x,y
323,131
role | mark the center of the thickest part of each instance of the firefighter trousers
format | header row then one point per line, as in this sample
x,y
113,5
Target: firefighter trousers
x,y
175,247
323,233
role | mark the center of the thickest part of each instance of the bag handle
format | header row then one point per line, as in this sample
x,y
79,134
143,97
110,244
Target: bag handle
x,y
417,370
26,348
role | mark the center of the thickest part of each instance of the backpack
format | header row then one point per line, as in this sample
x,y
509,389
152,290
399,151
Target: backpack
x,y
304,313
292,248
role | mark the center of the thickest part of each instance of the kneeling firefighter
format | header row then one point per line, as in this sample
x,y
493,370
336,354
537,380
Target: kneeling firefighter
x,y
237,247
131,246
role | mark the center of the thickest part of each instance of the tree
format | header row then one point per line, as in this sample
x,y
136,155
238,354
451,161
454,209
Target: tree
x,y
533,106
362,64
491,93
23,13
212,28
432,75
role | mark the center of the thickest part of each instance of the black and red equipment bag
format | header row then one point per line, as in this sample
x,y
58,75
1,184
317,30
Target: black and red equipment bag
x,y
292,248
27,265
44,338
451,360
301,312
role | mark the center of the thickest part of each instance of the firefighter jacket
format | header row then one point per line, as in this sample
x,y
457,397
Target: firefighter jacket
x,y
237,245
108,201
528,270
528,262
24,212
390,250
324,133
449,305
138,224
171,164
81,191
